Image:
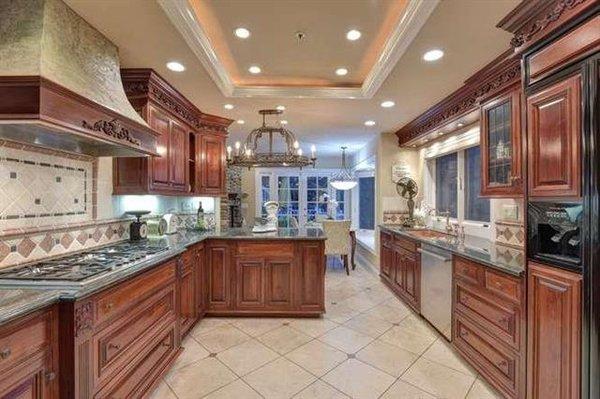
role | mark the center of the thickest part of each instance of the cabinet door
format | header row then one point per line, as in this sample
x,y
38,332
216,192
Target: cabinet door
x,y
310,290
178,157
213,164
387,255
201,282
554,140
28,384
219,279
279,283
412,280
501,146
250,283
554,332
187,296
399,269
159,174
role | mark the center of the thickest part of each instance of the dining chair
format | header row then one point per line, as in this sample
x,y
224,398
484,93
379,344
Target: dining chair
x,y
338,239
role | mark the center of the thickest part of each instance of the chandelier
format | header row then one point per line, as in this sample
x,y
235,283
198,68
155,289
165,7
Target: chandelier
x,y
250,156
344,179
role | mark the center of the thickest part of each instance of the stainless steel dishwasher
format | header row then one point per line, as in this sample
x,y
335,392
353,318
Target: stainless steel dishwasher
x,y
436,288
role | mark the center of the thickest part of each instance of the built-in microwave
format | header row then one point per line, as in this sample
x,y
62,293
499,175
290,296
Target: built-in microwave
x,y
554,233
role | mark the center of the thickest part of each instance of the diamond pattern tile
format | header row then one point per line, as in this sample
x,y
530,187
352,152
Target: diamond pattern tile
x,y
66,240
4,250
47,243
25,247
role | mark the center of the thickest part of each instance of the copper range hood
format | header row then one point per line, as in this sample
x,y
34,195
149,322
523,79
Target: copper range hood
x,y
60,85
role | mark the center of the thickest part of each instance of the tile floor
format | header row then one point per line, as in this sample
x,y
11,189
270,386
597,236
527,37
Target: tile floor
x,y
368,345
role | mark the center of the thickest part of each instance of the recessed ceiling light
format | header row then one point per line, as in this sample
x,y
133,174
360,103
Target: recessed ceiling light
x,y
283,122
388,104
240,121
440,133
175,66
341,71
460,124
353,35
433,55
228,106
369,123
242,33
254,69
280,108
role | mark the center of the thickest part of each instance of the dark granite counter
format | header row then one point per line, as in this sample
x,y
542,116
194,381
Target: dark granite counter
x,y
506,259
17,300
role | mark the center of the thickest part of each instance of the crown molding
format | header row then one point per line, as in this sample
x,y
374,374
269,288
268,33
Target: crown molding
x,y
183,18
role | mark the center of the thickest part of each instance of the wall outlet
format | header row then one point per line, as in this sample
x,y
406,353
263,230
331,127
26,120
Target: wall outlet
x,y
510,212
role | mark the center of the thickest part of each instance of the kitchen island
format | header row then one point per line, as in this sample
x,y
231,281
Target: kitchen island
x,y
121,329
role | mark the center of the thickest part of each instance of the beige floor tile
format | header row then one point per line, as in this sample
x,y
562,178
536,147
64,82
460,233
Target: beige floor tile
x,y
403,390
482,390
162,391
207,324
339,292
358,302
247,356
236,390
340,313
317,357
359,380
346,339
192,351
387,357
255,327
407,339
200,378
368,324
441,352
284,339
221,338
320,390
389,313
313,327
418,325
279,379
439,380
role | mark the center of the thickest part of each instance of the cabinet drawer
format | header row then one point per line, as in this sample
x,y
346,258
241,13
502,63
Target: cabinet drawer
x,y
501,365
503,286
385,238
500,318
125,337
405,243
468,271
23,339
263,249
119,299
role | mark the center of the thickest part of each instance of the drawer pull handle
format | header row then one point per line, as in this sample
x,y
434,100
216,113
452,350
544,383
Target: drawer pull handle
x,y
50,375
166,344
504,320
109,306
114,346
464,333
502,364
5,353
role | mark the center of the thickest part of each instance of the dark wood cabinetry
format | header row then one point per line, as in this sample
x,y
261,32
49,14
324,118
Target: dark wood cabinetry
x,y
29,356
201,280
501,156
489,324
191,144
188,310
219,276
554,140
400,268
554,337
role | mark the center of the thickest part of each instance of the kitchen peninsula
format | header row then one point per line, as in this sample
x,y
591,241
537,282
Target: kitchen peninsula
x,y
121,329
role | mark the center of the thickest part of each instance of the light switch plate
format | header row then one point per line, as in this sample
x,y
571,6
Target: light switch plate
x,y
510,212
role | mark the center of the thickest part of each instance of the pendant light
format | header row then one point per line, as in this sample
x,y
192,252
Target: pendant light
x,y
344,179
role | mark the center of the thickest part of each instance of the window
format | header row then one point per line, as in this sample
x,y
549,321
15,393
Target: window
x,y
476,208
366,203
265,193
446,176
289,199
317,188
340,211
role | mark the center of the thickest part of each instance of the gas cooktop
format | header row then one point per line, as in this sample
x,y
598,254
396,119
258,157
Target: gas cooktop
x,y
84,265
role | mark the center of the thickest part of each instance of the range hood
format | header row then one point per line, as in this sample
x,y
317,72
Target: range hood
x,y
60,84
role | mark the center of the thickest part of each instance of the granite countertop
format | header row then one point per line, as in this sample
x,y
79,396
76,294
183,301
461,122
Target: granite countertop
x,y
19,300
505,259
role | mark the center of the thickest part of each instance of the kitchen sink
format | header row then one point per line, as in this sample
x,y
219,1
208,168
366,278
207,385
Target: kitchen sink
x,y
429,234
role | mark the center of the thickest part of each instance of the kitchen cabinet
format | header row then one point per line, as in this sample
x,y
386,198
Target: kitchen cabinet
x,y
29,356
554,334
191,144
219,276
554,140
186,272
201,280
500,140
250,283
489,324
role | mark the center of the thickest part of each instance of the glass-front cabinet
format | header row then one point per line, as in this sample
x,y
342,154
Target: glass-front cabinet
x,y
501,173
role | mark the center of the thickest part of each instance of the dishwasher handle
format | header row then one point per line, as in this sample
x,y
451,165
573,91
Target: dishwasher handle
x,y
438,257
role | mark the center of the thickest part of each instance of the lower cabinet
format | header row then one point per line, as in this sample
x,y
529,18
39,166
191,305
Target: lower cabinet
x,y
201,280
554,336
219,276
186,273
29,356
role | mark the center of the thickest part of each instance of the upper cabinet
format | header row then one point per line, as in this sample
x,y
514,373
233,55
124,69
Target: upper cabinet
x,y
501,146
191,144
554,140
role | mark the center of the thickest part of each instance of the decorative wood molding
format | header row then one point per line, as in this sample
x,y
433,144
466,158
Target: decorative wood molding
x,y
83,318
495,77
111,128
532,20
183,18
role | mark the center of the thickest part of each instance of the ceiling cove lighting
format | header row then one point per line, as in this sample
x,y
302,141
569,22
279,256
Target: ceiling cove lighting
x,y
242,33
344,179
433,55
255,155
280,108
388,104
369,123
240,122
228,106
341,71
175,66
283,122
353,35
254,69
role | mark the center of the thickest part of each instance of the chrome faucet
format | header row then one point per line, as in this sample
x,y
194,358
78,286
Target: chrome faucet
x,y
448,225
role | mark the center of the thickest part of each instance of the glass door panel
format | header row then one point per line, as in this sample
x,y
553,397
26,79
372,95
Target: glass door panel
x,y
499,132
288,188
316,197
